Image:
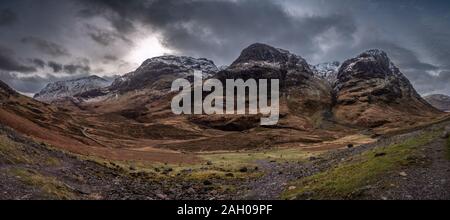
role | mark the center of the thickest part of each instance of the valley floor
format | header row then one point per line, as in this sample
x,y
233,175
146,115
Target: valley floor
x,y
415,165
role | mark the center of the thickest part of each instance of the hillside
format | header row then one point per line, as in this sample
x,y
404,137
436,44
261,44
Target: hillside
x,y
441,102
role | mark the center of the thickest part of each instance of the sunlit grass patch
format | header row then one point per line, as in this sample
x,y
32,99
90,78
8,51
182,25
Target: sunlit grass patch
x,y
345,179
16,153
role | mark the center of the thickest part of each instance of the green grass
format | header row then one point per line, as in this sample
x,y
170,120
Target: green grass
x,y
249,159
344,180
220,165
50,186
16,153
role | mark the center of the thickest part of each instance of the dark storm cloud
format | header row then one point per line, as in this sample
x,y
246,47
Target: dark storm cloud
x,y
56,67
32,84
7,17
105,37
220,29
46,46
76,68
38,62
9,63
414,33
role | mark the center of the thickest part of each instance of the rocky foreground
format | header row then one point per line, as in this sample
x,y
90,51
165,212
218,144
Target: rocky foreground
x,y
414,165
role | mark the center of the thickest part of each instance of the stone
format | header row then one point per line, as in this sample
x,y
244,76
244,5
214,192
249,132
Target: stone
x,y
243,170
382,154
229,175
162,196
207,183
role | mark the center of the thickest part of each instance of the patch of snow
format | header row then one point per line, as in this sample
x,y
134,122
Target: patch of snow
x,y
63,89
327,71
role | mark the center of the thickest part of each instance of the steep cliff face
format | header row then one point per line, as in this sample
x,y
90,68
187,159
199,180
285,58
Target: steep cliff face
x,y
371,91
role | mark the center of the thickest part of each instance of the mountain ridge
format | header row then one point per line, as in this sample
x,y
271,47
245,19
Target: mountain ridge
x,y
69,88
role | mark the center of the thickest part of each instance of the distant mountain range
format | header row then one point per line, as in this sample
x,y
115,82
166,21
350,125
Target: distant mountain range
x,y
368,90
126,138
365,92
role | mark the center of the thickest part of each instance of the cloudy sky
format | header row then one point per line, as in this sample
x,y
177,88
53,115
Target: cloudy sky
x,y
48,40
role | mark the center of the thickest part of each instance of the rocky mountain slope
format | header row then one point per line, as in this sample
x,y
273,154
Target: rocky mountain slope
x,y
303,98
149,83
66,89
439,101
371,92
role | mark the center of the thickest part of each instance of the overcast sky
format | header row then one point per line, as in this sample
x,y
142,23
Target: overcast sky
x,y
48,40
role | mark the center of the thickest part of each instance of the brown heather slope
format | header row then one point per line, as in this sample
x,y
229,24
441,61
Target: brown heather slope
x,y
72,131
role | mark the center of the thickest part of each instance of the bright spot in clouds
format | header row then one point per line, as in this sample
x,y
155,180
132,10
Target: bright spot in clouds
x,y
147,48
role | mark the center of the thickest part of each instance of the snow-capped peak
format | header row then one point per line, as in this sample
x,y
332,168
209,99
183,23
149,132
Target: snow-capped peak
x,y
68,88
206,66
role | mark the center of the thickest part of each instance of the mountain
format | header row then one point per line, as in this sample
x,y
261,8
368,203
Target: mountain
x,y
66,89
303,96
439,101
123,141
327,71
159,72
371,92
6,91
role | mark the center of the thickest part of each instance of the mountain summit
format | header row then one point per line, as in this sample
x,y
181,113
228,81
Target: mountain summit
x,y
159,72
69,88
265,55
371,91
